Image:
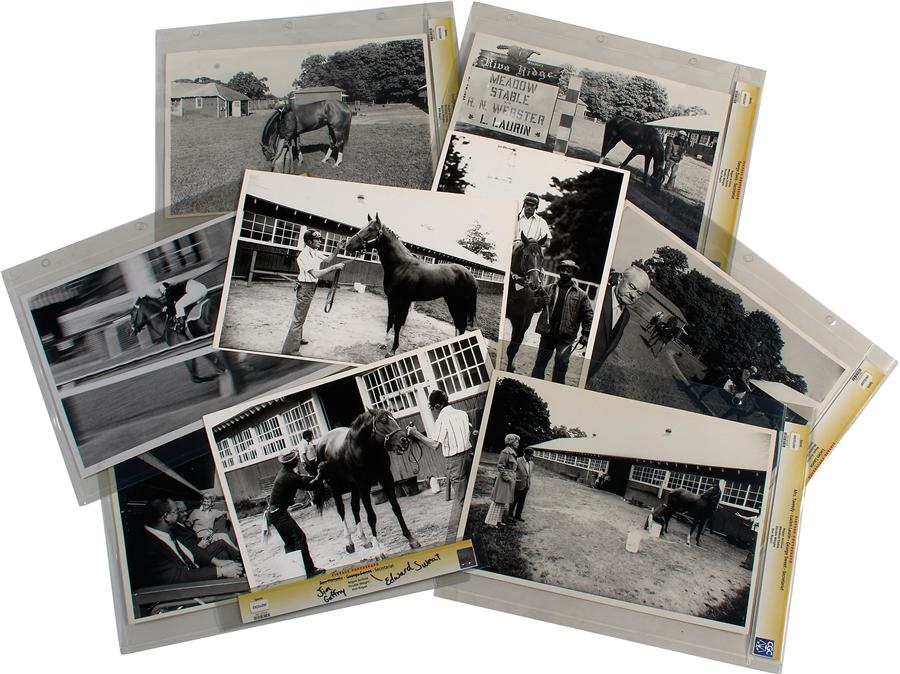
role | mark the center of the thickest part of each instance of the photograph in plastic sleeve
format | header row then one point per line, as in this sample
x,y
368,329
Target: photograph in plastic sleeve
x,y
128,347
675,330
396,437
176,543
398,269
665,133
355,111
597,497
568,214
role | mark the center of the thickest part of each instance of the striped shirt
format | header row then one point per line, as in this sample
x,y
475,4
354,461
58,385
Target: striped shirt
x,y
453,430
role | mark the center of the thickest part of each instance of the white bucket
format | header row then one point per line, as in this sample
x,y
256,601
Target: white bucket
x,y
655,529
359,288
633,542
435,485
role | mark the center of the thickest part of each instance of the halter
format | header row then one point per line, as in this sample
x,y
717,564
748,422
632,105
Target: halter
x,y
365,242
148,319
388,436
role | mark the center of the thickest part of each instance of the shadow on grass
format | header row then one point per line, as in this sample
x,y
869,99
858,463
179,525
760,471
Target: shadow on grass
x,y
500,546
732,610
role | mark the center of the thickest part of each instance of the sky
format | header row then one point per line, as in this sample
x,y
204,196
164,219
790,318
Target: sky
x,y
630,428
497,167
639,236
716,103
281,65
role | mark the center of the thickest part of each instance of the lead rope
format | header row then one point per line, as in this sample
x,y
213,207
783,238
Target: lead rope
x,y
329,300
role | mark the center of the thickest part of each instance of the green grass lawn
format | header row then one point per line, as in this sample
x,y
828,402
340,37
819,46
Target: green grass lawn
x,y
487,316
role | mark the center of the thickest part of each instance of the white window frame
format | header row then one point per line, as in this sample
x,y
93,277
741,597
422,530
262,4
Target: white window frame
x,y
198,102
226,457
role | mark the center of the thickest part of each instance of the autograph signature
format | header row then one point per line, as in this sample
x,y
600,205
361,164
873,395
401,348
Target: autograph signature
x,y
411,567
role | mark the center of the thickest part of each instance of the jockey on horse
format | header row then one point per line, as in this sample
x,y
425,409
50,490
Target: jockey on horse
x,y
177,297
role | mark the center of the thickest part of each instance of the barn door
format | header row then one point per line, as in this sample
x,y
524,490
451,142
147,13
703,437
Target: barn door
x,y
235,108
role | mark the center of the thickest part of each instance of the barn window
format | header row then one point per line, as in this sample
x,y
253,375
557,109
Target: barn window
x,y
302,418
243,446
743,495
582,461
428,258
257,227
598,465
648,475
198,102
271,438
286,234
226,457
393,385
458,367
693,483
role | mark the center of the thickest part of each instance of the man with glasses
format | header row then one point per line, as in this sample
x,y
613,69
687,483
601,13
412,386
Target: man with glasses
x,y
632,284
309,264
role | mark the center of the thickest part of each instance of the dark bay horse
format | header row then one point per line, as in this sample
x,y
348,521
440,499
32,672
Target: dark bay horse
x,y
356,458
700,507
524,298
150,312
281,134
408,279
642,139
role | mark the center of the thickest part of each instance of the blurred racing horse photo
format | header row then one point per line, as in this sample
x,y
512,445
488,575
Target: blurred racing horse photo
x,y
150,312
280,141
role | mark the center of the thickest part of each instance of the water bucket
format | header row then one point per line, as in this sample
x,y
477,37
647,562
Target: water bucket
x,y
359,288
435,485
655,529
633,542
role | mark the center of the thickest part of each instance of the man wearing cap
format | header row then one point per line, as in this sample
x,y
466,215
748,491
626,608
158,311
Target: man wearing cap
x,y
530,224
284,490
565,318
614,313
178,297
676,146
309,264
453,431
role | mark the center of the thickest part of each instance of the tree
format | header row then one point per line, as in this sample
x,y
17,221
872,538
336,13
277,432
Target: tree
x,y
475,240
581,217
686,111
608,95
517,408
664,267
453,173
249,84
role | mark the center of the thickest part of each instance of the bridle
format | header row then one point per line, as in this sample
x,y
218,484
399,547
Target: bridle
x,y
539,269
366,242
148,319
389,435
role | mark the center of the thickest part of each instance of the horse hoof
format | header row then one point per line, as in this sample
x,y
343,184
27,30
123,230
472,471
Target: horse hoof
x,y
383,347
367,545
413,543
350,549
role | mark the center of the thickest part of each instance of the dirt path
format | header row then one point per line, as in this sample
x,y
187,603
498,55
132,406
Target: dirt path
x,y
524,361
574,537
257,319
427,515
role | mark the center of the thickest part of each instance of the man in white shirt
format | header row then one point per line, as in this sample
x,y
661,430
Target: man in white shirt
x,y
309,264
453,431
529,223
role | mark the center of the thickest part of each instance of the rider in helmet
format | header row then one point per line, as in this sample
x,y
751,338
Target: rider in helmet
x,y
178,297
531,225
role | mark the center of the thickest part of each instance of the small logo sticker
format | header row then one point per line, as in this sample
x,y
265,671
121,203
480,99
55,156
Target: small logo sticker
x,y
764,648
745,98
259,605
466,557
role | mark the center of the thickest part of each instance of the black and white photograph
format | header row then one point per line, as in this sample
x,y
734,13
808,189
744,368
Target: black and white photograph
x,y
664,133
352,273
397,438
176,542
353,111
567,217
675,330
128,347
618,500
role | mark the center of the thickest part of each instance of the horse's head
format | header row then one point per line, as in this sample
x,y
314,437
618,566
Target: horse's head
x,y
138,316
270,133
528,261
366,237
386,431
714,493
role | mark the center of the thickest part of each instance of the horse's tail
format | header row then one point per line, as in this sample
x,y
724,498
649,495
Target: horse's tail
x,y
320,495
271,126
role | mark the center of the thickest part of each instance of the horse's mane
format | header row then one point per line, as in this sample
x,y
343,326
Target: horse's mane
x,y
273,121
397,238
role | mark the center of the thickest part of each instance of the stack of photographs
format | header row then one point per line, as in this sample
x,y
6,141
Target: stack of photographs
x,y
499,341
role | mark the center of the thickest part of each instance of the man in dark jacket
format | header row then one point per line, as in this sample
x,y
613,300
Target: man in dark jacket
x,y
164,560
287,483
565,319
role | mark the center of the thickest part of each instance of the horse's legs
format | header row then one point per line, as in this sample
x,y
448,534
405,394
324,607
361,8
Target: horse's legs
x,y
631,155
388,485
390,321
515,341
339,505
691,532
366,496
458,313
402,311
646,167
360,532
216,362
701,524
331,146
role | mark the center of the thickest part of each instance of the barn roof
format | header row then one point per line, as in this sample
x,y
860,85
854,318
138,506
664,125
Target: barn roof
x,y
207,90
689,123
318,90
